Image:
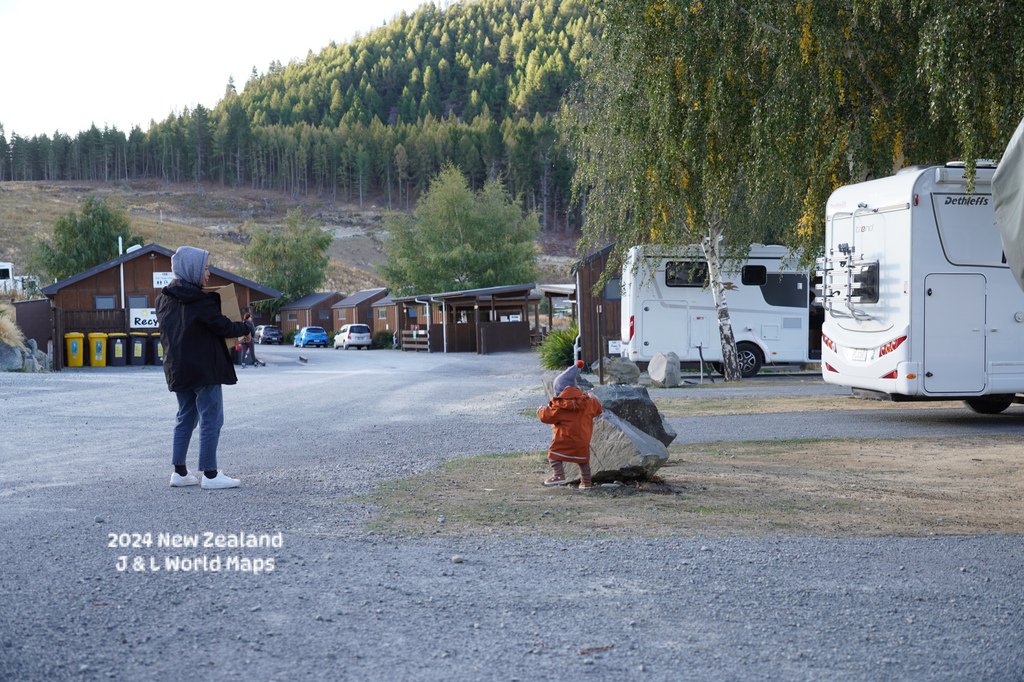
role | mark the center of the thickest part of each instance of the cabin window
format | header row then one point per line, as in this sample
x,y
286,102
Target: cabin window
x,y
342,314
686,274
324,315
136,302
785,289
382,314
613,289
754,275
104,302
411,312
292,317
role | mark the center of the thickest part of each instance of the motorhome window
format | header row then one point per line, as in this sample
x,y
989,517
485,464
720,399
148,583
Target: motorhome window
x,y
5,273
865,283
104,302
613,289
686,274
786,290
754,275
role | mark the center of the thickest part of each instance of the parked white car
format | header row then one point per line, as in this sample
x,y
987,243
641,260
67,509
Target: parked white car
x,y
350,335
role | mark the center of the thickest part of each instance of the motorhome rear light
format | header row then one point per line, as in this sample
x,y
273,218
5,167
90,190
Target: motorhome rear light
x,y
891,346
831,368
911,376
890,375
632,321
829,343
916,199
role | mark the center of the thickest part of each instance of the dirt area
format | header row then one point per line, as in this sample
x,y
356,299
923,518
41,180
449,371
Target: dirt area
x,y
703,407
817,488
220,219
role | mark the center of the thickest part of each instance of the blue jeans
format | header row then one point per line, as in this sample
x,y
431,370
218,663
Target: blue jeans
x,y
205,406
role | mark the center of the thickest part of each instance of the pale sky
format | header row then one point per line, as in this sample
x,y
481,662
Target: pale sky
x,y
66,64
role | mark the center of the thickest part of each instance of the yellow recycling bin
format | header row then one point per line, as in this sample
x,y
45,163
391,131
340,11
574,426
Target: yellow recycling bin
x,y
75,349
97,349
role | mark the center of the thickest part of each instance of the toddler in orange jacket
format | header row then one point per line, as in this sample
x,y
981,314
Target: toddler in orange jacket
x,y
571,415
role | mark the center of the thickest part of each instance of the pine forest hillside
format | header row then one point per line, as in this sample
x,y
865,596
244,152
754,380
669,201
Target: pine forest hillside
x,y
477,84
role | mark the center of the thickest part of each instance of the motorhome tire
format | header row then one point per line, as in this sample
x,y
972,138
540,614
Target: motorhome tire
x,y
990,404
750,359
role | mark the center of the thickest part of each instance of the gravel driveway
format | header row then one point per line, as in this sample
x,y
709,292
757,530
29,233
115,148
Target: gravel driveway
x,y
84,458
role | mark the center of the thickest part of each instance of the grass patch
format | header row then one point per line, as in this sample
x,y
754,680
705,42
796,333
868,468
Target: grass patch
x,y
798,487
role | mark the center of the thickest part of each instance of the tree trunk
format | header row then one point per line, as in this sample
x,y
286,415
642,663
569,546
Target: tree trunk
x,y
730,356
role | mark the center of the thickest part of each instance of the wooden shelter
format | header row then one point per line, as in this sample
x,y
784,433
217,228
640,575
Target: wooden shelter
x,y
357,308
313,310
120,295
488,320
598,313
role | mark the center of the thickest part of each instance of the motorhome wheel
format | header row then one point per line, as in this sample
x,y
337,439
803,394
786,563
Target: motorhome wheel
x,y
990,404
750,359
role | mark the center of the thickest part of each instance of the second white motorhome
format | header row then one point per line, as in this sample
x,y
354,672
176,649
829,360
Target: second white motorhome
x,y
668,307
919,302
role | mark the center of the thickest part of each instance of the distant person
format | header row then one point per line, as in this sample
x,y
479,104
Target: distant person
x,y
249,342
571,415
196,363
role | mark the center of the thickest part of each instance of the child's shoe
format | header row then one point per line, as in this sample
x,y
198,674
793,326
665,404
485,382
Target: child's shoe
x,y
555,480
586,486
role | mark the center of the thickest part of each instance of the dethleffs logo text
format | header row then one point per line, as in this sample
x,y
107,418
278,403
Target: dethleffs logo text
x,y
964,200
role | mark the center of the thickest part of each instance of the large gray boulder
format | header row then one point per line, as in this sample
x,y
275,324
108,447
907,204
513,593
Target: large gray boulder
x,y
619,450
28,359
634,405
618,371
11,359
664,370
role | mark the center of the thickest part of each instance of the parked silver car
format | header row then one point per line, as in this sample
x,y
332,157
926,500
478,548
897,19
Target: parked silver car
x,y
350,335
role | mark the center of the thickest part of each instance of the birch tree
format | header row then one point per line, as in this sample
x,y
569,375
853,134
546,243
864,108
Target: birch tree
x,y
661,134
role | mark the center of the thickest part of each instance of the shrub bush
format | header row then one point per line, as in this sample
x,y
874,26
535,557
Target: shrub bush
x,y
289,336
557,350
10,333
383,339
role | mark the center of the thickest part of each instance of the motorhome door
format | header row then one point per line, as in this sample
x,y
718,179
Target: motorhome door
x,y
954,333
665,326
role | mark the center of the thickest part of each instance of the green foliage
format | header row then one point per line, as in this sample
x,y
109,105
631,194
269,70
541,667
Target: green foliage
x,y
557,350
458,239
431,82
384,339
289,336
83,240
292,260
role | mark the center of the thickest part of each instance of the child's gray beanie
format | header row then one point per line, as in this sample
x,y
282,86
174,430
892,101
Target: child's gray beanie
x,y
567,378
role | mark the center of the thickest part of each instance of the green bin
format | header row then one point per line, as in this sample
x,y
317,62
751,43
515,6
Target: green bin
x,y
75,349
137,348
117,349
156,351
97,349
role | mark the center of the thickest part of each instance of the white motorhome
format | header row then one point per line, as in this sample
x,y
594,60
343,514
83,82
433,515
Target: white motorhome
x,y
668,307
16,284
919,302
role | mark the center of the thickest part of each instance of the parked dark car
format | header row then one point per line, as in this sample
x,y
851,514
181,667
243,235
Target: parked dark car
x,y
268,333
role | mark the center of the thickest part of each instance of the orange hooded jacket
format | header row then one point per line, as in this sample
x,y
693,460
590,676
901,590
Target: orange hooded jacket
x,y
571,415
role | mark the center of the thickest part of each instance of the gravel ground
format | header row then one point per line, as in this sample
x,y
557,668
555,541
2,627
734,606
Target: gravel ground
x,y
84,454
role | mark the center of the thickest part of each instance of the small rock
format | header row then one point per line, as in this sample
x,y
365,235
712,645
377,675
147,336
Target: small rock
x,y
99,519
457,559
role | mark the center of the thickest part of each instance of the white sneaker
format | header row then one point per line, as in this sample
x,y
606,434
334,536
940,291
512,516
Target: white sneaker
x,y
182,481
219,482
